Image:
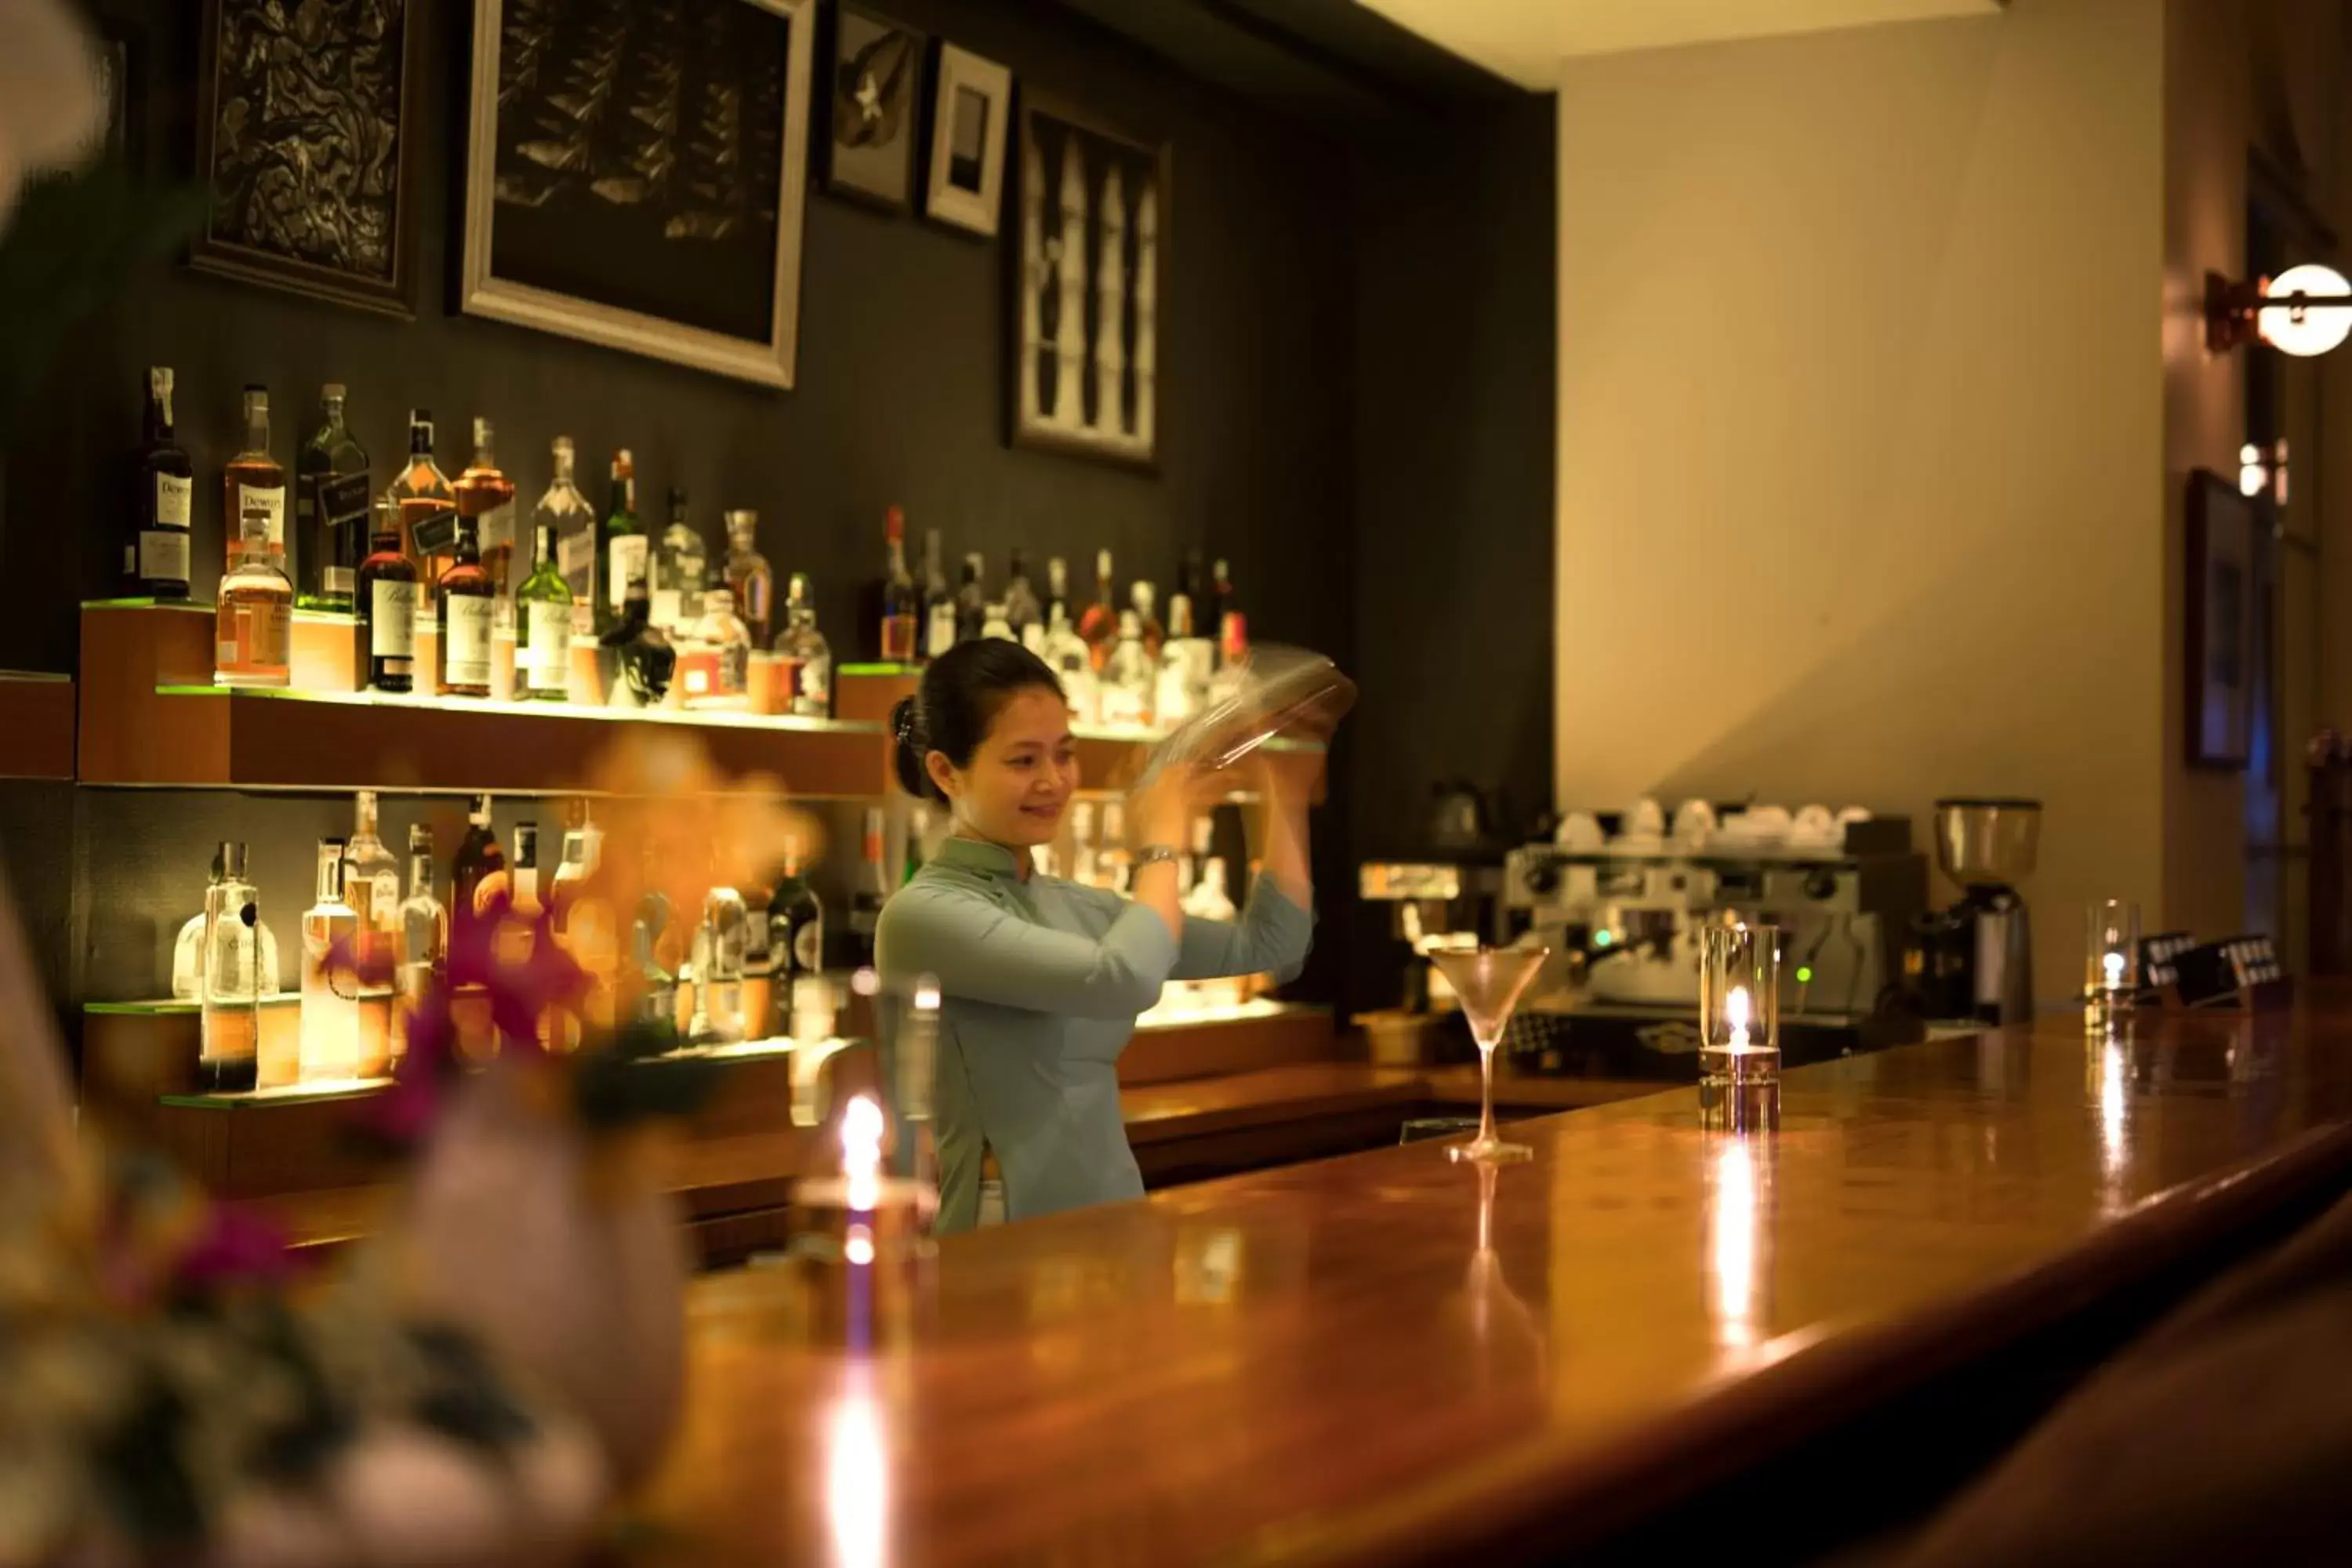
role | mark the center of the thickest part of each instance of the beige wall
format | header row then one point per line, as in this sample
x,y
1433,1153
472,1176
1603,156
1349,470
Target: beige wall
x,y
1862,429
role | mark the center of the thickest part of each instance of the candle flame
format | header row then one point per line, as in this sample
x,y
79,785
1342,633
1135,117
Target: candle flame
x,y
861,1151
2114,964
1735,1012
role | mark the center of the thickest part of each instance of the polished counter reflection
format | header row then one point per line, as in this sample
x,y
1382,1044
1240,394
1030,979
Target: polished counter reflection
x,y
1359,1356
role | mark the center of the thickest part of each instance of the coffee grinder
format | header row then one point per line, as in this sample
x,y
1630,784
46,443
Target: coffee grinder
x,y
1974,960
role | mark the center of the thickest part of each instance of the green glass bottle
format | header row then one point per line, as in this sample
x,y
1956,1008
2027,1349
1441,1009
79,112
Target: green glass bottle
x,y
543,627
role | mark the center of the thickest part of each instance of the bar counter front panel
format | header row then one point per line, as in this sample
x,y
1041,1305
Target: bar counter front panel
x,y
1390,1356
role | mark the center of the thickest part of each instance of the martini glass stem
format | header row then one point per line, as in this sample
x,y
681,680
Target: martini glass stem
x,y
1485,1094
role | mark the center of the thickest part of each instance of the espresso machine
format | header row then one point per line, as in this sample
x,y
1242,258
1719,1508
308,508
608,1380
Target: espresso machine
x,y
1974,962
1621,901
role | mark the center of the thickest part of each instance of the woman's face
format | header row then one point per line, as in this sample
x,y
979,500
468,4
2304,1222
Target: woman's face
x,y
1020,779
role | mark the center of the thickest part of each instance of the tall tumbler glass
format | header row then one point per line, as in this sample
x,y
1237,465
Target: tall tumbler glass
x,y
1739,1024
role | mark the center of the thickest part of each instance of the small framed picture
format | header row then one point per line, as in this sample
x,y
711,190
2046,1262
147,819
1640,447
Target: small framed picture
x,y
2221,581
874,96
970,108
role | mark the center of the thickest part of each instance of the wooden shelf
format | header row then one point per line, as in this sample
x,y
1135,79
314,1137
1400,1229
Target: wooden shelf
x,y
150,716
37,720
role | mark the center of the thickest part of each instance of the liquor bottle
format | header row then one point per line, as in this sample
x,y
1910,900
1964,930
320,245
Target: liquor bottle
x,y
253,485
651,949
1057,592
896,602
229,1019
329,1048
576,546
480,870
1221,596
807,673
714,661
1143,596
1188,663
583,848
1184,602
383,604
918,828
1022,611
719,967
371,889
486,500
871,889
681,567
1232,652
428,510
749,577
1066,653
972,604
463,611
253,619
543,616
1100,626
156,559
995,623
423,954
1128,677
330,509
795,934
939,602
640,659
625,539
188,951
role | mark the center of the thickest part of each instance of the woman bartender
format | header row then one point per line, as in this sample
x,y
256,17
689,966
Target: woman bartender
x,y
1040,979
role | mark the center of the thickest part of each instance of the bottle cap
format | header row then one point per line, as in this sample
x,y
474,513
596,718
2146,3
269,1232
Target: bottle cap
x,y
332,392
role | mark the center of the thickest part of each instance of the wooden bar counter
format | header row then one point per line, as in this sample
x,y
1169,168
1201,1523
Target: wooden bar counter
x,y
1319,1363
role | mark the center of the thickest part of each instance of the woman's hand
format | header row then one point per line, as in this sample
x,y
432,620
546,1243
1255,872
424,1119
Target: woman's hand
x,y
1161,811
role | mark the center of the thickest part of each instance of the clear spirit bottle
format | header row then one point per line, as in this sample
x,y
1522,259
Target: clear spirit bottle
x,y
1066,653
330,510
625,557
996,622
972,605
1128,677
383,606
253,619
1057,592
330,1049
749,577
372,887
807,672
714,664
679,567
229,1016
428,510
486,500
423,936
1144,597
544,613
719,967
1188,662
156,558
577,547
253,485
463,612
188,951
1022,611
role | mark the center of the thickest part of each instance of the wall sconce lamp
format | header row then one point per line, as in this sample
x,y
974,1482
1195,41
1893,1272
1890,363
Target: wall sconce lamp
x,y
2304,310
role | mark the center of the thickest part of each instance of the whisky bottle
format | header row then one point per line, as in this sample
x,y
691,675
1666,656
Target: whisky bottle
x,y
939,602
896,602
253,619
229,1019
383,607
576,546
156,559
795,934
714,659
749,577
719,967
625,539
253,485
635,658
462,612
971,601
428,510
329,1048
330,510
872,888
479,870
1098,627
423,936
807,673
543,616
1142,596
1022,611
371,889
486,499
680,564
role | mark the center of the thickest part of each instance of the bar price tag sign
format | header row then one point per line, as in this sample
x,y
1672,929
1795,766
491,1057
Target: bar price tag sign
x,y
436,532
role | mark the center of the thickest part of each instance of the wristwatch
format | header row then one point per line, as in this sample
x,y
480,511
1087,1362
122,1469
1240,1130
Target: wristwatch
x,y
1151,855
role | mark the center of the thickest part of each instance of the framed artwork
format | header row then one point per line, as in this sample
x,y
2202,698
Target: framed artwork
x,y
970,108
636,175
2220,581
304,116
1086,327
874,108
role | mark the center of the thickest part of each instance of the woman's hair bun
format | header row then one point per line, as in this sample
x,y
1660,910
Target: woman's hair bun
x,y
907,749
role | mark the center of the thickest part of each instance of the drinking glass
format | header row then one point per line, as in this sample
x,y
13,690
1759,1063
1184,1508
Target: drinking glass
x,y
1740,1024
1489,981
2110,960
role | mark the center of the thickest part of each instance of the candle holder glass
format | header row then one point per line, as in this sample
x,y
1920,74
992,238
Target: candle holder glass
x,y
2110,961
1739,1024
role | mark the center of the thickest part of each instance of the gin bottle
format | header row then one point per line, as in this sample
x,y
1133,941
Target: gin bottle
x,y
330,1007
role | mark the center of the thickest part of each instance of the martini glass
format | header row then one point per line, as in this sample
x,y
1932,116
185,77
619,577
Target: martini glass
x,y
1488,980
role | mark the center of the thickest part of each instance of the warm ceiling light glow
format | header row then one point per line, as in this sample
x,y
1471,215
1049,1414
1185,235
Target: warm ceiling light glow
x,y
2253,474
2304,333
